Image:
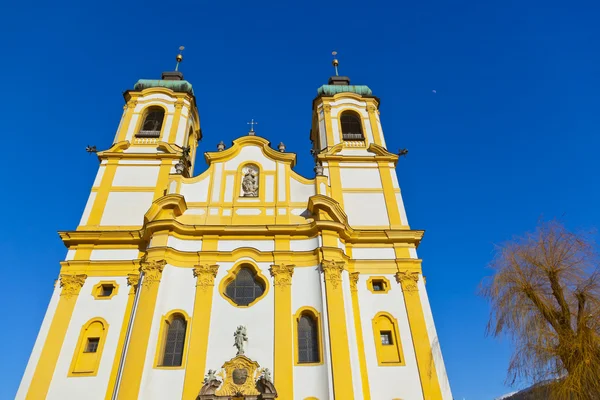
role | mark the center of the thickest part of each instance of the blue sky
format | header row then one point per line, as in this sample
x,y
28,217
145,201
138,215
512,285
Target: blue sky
x,y
512,133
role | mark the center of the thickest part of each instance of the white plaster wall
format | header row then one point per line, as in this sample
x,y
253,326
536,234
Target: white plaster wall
x,y
304,244
269,188
225,318
70,255
373,253
322,132
182,128
184,245
86,308
261,245
132,126
229,188
216,189
195,192
176,292
368,130
311,380
403,217
359,106
435,343
88,209
38,345
388,382
360,178
335,127
366,209
252,154
126,208
99,176
300,192
352,343
281,182
136,176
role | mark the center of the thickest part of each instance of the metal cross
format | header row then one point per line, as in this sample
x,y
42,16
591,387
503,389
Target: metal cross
x,y
252,123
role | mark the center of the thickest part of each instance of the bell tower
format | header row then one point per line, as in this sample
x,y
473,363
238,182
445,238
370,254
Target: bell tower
x,y
349,147
157,136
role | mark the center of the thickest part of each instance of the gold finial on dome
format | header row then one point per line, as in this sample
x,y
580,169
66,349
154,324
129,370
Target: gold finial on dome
x,y
335,62
179,57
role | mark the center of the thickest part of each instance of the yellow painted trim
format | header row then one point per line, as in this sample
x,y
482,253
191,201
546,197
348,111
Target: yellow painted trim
x,y
176,120
205,280
383,279
102,195
283,328
97,290
122,336
40,382
364,375
316,316
162,337
241,142
231,274
397,342
82,342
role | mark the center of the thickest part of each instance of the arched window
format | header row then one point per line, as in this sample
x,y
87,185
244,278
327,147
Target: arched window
x,y
89,348
351,126
153,121
387,340
245,288
174,341
308,342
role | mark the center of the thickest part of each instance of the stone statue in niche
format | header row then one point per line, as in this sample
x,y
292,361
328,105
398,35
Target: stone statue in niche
x,y
250,181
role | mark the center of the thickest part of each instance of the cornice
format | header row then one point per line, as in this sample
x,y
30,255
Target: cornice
x,y
239,143
379,153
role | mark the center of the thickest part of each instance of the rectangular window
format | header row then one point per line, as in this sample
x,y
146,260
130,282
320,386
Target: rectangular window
x,y
92,345
106,290
386,338
378,286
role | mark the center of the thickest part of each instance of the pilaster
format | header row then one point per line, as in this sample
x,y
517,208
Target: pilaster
x,y
414,309
132,281
338,333
71,286
205,275
283,348
140,334
359,335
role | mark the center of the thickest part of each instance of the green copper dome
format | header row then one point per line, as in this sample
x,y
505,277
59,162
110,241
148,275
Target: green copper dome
x,y
174,85
330,90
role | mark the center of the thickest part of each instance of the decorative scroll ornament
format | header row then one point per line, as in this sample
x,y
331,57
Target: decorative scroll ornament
x,y
282,274
239,377
71,284
408,280
250,181
240,337
333,272
205,275
327,108
354,281
133,280
152,272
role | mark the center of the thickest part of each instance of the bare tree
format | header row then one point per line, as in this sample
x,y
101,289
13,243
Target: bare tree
x,y
545,296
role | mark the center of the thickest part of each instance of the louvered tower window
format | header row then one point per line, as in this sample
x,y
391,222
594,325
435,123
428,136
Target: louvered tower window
x,y
351,126
245,288
174,342
308,340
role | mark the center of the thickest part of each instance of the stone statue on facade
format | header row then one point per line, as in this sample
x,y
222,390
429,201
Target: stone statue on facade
x,y
240,337
250,181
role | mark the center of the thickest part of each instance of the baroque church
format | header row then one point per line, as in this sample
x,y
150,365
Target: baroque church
x,y
246,280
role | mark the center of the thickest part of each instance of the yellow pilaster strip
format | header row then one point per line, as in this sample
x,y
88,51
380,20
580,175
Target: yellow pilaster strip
x,y
205,281
102,193
176,119
418,329
132,281
284,350
163,179
129,110
140,335
336,182
328,125
359,336
338,334
374,126
390,195
42,377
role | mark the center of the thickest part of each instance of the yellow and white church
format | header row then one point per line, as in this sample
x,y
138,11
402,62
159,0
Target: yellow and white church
x,y
247,281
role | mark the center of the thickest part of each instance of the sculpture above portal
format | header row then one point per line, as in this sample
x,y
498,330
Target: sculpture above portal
x,y
250,181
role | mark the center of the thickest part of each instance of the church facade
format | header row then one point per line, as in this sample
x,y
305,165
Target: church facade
x,y
246,281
